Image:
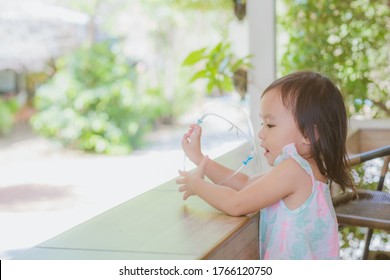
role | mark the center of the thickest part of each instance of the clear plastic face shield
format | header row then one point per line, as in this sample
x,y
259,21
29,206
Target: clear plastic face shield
x,y
226,128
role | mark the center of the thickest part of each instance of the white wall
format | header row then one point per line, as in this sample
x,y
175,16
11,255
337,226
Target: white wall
x,y
262,34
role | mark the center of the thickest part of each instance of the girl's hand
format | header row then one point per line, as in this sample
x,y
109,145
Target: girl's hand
x,y
191,144
188,180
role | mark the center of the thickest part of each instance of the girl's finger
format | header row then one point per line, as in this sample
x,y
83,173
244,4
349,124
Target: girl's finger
x,y
180,181
196,128
187,135
186,195
183,173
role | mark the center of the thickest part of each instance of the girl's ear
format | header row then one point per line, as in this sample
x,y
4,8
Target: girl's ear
x,y
317,135
306,140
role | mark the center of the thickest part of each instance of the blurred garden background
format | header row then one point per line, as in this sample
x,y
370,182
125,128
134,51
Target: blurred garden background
x,y
95,95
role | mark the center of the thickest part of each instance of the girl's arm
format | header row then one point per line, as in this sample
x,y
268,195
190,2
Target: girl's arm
x,y
218,174
267,190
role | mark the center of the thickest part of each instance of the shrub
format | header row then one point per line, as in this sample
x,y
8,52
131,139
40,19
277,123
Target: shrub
x,y
91,102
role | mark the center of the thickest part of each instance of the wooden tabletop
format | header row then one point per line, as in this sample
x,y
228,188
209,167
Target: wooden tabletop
x,y
156,225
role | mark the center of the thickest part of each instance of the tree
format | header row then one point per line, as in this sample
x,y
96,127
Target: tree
x,y
346,40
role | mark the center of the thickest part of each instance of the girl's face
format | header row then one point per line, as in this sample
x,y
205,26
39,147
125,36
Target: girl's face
x,y
278,127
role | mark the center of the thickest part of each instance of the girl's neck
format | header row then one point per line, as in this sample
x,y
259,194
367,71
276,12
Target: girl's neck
x,y
316,171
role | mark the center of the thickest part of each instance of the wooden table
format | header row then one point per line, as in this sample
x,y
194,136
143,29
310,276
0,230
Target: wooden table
x,y
156,225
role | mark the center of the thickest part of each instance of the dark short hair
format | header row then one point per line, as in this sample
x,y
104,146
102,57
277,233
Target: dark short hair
x,y
319,111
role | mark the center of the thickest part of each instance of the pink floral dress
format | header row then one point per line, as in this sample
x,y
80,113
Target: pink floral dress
x,y
308,232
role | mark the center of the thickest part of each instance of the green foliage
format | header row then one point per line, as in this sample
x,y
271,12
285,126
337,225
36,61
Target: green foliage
x,y
168,108
202,5
218,66
346,40
8,108
91,103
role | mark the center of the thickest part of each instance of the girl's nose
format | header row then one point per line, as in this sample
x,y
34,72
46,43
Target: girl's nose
x,y
261,133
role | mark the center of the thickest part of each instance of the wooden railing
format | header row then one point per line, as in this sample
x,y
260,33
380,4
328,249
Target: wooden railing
x,y
368,135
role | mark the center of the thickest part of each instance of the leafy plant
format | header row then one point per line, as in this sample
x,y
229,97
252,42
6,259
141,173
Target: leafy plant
x,y
217,66
346,40
92,104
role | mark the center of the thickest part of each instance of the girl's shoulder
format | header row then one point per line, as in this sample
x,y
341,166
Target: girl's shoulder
x,y
291,172
290,154
297,180
287,178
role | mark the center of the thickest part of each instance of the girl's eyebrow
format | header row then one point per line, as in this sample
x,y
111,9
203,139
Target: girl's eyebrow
x,y
267,116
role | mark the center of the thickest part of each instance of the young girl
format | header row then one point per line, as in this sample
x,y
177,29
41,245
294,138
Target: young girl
x,y
303,135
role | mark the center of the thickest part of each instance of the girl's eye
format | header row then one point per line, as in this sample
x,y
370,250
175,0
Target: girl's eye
x,y
267,125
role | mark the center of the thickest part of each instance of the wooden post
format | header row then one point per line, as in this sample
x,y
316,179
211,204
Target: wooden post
x,y
262,33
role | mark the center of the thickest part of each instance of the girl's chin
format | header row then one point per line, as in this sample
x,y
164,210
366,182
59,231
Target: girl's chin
x,y
270,159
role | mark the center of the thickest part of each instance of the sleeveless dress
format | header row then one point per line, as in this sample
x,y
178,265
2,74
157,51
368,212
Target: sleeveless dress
x,y
307,232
